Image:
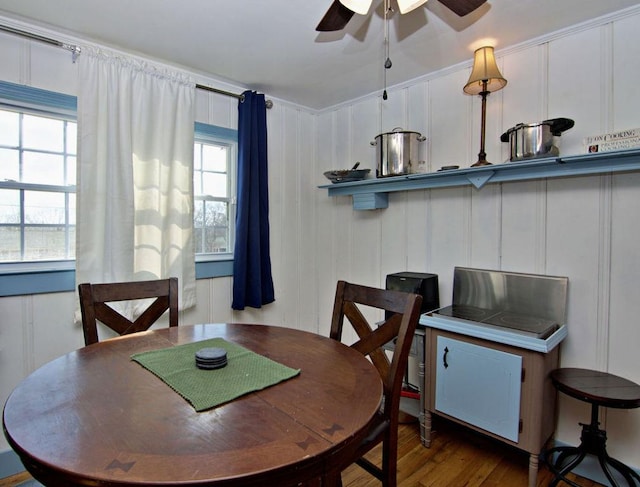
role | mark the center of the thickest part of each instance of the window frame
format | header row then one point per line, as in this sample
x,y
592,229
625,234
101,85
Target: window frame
x,y
213,134
49,276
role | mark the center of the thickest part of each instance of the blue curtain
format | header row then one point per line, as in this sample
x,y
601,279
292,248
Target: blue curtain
x,y
252,280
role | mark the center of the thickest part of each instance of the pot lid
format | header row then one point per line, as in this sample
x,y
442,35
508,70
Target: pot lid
x,y
556,125
399,130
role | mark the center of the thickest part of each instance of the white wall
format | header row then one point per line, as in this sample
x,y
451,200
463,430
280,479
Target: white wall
x,y
585,228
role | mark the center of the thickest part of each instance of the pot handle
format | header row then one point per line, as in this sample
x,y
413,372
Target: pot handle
x,y
559,125
420,137
505,137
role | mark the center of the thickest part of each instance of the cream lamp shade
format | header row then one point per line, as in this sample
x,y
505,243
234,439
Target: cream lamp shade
x,y
358,6
409,5
484,69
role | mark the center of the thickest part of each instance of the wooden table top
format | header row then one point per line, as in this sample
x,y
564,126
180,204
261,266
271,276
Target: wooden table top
x,y
95,417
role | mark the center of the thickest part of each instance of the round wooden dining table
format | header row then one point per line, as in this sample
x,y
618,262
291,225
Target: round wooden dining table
x,y
95,417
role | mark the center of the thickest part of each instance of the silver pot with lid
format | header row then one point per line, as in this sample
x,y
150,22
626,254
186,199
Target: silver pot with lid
x,y
527,141
397,152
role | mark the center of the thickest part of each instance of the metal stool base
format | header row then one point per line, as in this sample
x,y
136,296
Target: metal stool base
x,y
592,441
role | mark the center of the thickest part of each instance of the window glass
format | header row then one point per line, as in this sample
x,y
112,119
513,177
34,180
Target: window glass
x,y
9,164
213,207
42,168
42,133
9,206
9,128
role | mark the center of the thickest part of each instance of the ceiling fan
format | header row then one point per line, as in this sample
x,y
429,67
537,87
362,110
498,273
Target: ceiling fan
x,y
341,11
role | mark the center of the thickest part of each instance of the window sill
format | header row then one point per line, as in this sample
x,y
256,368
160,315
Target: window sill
x,y
40,281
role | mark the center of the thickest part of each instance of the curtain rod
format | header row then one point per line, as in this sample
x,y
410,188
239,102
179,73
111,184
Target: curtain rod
x,y
75,50
268,103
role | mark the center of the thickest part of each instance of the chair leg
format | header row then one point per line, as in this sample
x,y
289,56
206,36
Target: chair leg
x,y
390,459
332,480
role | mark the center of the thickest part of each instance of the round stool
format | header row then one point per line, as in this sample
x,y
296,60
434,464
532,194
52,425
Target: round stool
x,y
598,389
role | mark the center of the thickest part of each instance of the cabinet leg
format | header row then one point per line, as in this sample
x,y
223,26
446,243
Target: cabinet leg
x,y
426,436
421,416
533,469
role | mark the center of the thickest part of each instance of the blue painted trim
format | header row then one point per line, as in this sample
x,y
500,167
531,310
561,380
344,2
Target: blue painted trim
x,y
37,282
203,129
370,201
57,281
214,268
36,96
10,464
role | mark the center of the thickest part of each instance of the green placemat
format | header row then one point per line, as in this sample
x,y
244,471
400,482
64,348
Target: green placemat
x,y
245,372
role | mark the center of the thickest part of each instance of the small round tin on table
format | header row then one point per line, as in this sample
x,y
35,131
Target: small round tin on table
x,y
211,358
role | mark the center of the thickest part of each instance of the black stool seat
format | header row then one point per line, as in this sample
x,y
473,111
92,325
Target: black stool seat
x,y
598,389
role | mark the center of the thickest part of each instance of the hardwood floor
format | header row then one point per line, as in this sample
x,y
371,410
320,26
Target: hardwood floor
x,y
458,457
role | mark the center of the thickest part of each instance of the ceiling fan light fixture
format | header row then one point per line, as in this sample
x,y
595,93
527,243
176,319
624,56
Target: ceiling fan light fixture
x,y
409,5
358,6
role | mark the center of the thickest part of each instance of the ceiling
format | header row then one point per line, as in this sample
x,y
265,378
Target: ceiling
x,y
271,45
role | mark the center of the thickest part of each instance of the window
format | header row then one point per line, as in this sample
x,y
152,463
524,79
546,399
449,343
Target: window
x,y
214,159
38,132
37,181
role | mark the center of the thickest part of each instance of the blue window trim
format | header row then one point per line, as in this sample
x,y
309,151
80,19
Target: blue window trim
x,y
37,98
18,283
205,130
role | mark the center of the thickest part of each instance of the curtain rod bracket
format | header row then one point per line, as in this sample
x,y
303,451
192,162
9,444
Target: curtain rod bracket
x,y
75,51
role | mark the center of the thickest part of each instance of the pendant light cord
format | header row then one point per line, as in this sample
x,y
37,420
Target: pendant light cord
x,y
387,61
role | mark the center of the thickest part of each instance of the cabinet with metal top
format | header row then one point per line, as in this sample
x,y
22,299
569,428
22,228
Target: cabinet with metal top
x,y
511,398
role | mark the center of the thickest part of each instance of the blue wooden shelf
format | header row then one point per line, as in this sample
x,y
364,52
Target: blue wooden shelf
x,y
372,194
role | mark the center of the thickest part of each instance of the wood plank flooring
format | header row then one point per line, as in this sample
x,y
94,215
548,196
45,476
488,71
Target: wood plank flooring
x,y
458,457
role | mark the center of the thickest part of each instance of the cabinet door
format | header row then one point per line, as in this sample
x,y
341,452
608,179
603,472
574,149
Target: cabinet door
x,y
479,385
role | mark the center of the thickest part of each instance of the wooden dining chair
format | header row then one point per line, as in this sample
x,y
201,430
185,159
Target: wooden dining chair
x,y
94,299
404,313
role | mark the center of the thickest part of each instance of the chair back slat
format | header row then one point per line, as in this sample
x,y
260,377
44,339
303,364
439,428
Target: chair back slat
x,y
95,299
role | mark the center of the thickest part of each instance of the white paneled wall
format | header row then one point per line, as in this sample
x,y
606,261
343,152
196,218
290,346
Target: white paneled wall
x,y
586,228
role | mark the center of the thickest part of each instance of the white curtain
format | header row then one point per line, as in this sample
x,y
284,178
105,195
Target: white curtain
x,y
135,172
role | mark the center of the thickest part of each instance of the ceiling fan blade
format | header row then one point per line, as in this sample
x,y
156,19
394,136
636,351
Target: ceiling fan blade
x,y
336,18
462,7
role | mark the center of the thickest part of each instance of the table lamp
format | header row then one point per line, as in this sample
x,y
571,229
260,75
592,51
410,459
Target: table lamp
x,y
485,78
